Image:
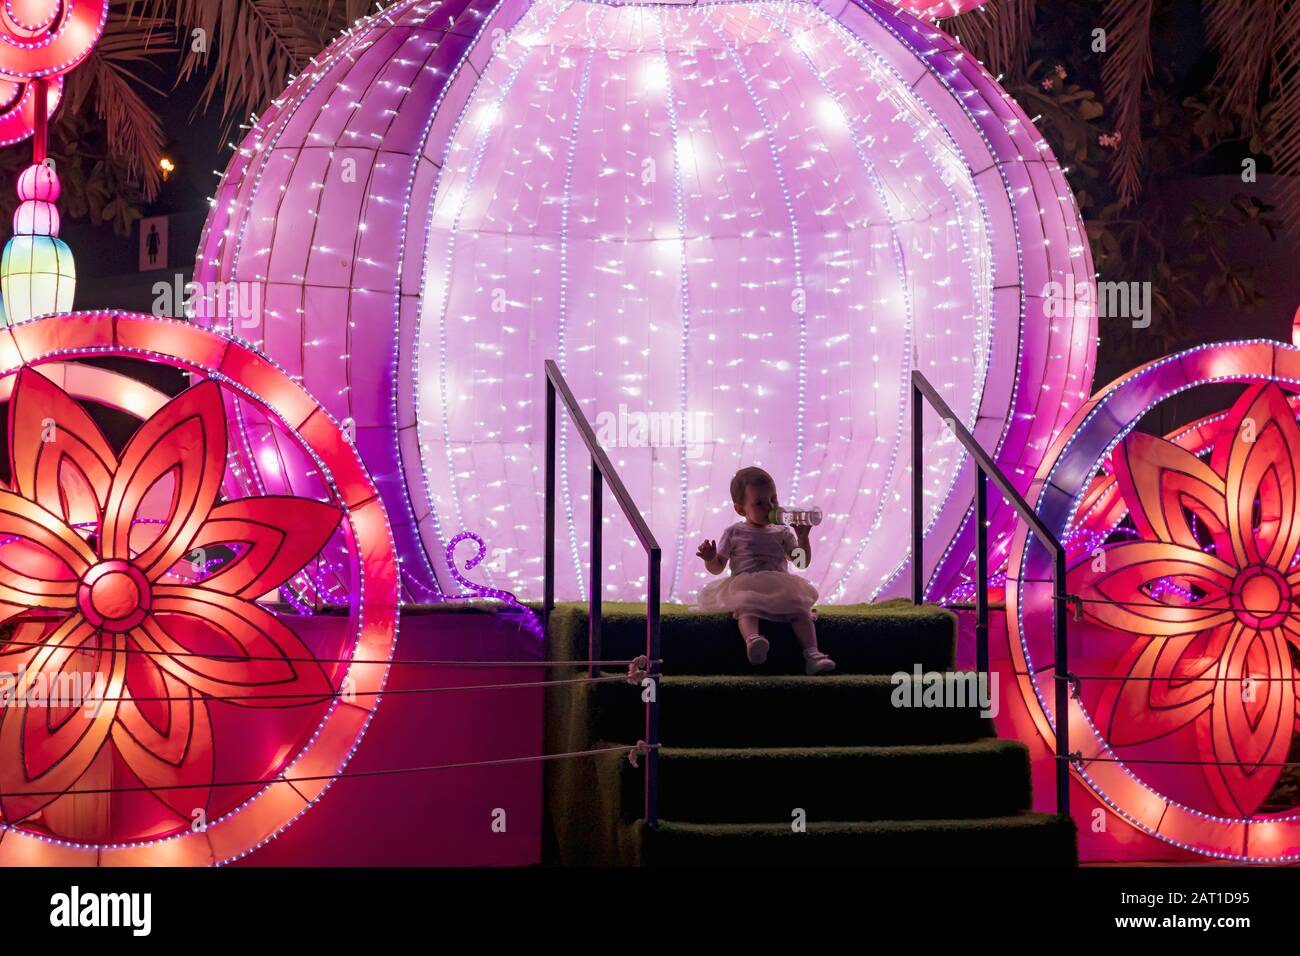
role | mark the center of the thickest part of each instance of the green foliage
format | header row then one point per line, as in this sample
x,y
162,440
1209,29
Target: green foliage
x,y
1185,252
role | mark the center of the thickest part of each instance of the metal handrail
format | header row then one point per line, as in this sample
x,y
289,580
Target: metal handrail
x,y
985,469
603,473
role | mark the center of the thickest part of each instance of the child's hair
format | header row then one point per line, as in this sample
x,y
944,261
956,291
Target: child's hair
x,y
746,477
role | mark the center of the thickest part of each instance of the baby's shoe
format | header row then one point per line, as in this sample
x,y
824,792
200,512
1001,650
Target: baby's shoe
x,y
815,662
756,649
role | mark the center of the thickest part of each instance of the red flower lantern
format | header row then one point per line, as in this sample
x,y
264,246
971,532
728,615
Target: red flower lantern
x,y
1209,595
213,719
1184,565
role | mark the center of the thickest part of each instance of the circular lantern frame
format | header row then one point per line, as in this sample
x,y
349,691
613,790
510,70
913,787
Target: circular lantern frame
x,y
46,50
237,368
1076,494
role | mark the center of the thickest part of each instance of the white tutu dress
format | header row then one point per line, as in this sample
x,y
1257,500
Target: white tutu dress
x,y
759,583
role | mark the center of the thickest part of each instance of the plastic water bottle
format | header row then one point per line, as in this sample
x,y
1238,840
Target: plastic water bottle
x,y
796,516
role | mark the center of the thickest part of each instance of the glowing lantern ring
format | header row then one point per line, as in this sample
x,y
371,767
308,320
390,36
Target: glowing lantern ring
x,y
935,9
1077,505
228,362
18,107
42,13
41,38
63,39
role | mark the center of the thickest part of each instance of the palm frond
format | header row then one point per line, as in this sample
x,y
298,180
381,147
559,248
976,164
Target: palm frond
x,y
1245,34
1284,139
997,34
250,48
110,82
354,10
1125,73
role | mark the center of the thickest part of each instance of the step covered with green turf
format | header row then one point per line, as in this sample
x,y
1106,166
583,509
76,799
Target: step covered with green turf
x,y
862,638
782,711
1020,840
748,751
987,778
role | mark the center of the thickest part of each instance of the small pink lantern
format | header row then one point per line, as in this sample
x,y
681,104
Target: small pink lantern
x,y
37,272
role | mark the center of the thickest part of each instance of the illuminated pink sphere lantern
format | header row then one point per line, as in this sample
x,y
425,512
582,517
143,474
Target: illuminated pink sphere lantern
x,y
736,226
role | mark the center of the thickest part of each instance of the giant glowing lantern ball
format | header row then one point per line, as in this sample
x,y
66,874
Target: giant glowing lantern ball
x,y
1185,562
157,709
737,226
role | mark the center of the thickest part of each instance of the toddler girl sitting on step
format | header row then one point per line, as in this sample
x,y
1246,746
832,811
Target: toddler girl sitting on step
x,y
760,586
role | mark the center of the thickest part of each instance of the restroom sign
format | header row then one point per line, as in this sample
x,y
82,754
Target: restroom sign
x,y
153,243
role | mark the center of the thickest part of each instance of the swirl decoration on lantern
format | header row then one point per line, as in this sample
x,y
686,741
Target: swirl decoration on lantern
x,y
532,618
157,709
1185,559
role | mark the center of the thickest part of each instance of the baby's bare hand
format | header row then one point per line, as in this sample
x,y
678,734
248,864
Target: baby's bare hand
x,y
708,551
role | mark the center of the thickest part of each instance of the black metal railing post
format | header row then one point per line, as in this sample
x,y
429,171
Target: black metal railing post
x,y
986,470
548,562
597,559
918,495
604,475
1062,674
981,571
652,705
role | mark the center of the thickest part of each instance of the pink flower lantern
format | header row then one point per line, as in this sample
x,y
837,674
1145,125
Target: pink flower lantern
x,y
736,226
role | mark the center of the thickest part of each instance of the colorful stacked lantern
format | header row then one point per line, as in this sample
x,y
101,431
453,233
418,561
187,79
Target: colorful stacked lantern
x,y
40,41
37,273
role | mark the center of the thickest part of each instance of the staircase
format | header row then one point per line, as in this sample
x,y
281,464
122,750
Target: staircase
x,y
748,752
